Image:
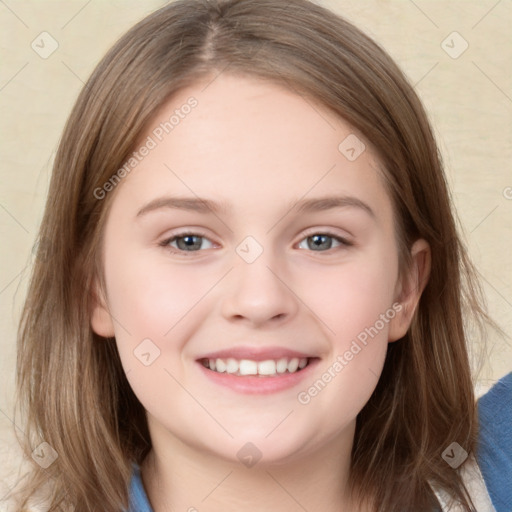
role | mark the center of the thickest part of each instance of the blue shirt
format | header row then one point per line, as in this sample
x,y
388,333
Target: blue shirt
x,y
139,501
494,450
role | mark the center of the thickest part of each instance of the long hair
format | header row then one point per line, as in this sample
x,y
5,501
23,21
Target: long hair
x,y
71,386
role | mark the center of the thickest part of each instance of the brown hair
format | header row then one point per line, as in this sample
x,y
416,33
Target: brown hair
x,y
72,387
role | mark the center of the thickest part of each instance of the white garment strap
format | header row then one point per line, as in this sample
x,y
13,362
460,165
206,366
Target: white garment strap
x,y
475,484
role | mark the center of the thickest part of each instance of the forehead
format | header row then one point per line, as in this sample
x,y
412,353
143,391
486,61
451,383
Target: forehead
x,y
251,141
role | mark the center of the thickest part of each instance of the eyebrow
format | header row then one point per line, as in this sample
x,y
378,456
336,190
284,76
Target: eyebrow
x,y
203,205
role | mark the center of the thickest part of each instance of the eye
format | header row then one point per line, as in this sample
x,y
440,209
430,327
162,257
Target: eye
x,y
323,241
186,242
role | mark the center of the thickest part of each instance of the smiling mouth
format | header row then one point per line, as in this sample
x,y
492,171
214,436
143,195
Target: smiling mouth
x,y
248,367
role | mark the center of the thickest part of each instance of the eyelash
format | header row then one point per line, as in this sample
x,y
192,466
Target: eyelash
x,y
165,243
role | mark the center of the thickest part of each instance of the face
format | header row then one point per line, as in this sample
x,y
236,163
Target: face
x,y
221,250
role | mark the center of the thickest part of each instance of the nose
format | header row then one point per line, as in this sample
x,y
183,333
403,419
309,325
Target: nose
x,y
259,292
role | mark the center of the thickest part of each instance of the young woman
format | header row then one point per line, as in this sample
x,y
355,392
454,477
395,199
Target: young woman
x,y
254,291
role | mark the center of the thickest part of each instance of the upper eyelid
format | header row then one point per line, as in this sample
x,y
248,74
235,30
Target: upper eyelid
x,y
326,231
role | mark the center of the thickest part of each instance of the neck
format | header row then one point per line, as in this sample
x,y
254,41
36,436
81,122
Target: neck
x,y
177,476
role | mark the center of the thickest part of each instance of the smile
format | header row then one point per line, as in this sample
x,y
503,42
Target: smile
x,y
257,369
267,368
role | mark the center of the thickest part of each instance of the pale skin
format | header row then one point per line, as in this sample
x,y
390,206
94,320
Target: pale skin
x,y
259,148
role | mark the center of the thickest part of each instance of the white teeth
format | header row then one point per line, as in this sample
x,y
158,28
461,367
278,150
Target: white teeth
x,y
282,365
232,366
293,365
221,366
248,367
269,367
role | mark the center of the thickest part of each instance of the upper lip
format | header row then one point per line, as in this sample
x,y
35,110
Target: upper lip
x,y
256,353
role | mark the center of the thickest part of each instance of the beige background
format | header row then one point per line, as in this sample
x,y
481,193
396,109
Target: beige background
x,y
469,99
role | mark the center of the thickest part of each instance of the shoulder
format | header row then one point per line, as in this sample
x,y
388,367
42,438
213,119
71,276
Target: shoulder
x,y
487,474
475,485
139,501
494,449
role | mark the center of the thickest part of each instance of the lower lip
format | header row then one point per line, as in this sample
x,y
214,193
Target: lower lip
x,y
255,385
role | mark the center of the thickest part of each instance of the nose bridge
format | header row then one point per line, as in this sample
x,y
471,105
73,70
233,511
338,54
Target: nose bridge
x,y
257,291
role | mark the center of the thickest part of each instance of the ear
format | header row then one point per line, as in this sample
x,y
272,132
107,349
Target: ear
x,y
101,320
410,289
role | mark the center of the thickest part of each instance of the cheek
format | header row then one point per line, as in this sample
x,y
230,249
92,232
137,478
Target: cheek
x,y
150,298
354,302
353,295
153,301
